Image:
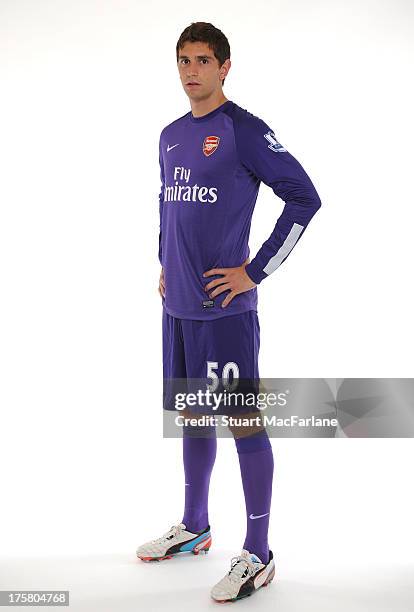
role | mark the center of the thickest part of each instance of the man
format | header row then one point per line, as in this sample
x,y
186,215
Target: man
x,y
212,162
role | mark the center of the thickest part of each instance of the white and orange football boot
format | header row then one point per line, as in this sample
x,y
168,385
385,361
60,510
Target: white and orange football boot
x,y
176,540
247,574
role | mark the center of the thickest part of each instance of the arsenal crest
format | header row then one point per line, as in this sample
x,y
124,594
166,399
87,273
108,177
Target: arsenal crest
x,y
210,145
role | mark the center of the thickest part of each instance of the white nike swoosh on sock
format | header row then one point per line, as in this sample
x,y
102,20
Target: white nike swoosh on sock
x,y
258,516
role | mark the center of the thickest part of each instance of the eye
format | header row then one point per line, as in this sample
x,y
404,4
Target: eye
x,y
205,60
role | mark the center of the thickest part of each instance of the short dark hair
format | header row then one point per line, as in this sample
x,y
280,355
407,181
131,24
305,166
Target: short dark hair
x,y
201,31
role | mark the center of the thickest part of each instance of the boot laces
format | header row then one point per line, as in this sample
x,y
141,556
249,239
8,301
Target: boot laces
x,y
175,530
241,567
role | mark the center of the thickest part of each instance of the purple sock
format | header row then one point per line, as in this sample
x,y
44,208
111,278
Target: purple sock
x,y
199,455
256,467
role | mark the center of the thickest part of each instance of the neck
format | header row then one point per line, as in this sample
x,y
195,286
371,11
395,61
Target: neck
x,y
203,107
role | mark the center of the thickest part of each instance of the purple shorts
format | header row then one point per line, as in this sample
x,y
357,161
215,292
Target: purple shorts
x,y
224,348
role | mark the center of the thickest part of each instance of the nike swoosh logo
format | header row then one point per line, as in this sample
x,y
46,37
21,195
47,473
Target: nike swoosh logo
x,y
252,516
169,148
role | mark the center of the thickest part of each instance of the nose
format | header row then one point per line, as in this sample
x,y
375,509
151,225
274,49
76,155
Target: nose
x,y
191,69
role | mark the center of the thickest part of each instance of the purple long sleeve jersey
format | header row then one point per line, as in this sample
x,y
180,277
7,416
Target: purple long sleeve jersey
x,y
211,170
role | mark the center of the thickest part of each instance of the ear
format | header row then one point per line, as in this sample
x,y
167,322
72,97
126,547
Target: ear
x,y
224,70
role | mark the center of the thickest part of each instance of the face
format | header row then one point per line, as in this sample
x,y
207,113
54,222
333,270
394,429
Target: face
x,y
199,70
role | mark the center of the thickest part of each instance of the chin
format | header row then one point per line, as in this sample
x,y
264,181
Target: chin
x,y
195,96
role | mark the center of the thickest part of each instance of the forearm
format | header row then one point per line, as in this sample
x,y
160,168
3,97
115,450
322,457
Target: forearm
x,y
289,228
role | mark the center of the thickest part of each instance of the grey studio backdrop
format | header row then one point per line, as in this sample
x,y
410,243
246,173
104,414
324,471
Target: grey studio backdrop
x,y
311,407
